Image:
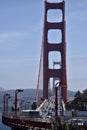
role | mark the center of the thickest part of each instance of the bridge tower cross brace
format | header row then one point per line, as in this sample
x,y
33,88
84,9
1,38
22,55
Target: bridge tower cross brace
x,y
59,47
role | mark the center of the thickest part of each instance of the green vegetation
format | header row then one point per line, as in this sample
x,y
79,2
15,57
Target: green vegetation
x,y
79,102
62,124
34,105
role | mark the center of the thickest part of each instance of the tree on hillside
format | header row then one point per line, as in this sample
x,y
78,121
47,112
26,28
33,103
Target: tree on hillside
x,y
79,102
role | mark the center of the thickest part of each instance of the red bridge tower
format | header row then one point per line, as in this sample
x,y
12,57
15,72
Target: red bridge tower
x,y
60,72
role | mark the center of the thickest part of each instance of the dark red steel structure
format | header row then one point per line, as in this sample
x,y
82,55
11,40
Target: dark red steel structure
x,y
59,73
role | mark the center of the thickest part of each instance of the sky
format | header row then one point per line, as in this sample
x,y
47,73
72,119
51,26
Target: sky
x,y
21,29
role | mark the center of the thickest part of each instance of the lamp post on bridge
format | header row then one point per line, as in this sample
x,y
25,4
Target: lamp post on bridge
x,y
56,99
59,100
6,96
16,92
57,117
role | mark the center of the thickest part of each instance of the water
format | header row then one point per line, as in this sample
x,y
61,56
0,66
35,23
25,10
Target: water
x,y
2,126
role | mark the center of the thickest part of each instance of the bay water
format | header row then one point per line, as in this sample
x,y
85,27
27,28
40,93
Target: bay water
x,y
2,126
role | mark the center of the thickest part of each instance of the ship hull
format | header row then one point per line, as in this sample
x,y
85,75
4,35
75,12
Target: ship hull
x,y
19,124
